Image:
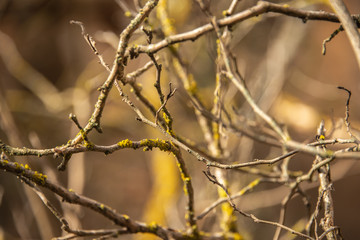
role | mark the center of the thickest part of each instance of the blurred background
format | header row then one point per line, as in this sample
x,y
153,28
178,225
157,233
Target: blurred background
x,y
47,71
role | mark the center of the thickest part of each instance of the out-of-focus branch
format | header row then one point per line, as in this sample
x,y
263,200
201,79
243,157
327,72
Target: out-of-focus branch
x,y
349,25
15,136
239,83
30,77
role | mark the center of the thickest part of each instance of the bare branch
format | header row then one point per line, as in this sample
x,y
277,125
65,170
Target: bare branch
x,y
347,113
261,8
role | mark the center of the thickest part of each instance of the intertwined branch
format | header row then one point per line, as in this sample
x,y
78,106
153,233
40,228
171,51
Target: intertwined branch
x,y
215,123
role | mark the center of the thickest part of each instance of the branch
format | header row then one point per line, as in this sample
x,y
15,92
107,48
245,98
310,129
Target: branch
x,y
65,224
261,8
347,113
325,188
91,43
222,200
214,180
69,196
349,25
117,70
68,150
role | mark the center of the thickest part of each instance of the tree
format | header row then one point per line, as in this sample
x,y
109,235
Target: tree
x,y
205,93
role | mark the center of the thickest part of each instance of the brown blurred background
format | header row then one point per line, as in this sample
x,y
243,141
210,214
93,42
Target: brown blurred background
x,y
48,71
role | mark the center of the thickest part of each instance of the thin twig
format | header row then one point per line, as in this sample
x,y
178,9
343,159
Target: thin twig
x,y
91,43
347,113
168,96
284,204
218,202
336,32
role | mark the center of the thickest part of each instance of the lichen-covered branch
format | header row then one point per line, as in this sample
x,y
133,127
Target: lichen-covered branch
x,y
211,118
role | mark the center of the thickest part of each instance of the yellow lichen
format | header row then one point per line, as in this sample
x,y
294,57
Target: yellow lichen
x,y
228,219
125,143
216,134
254,183
149,144
139,86
83,134
153,226
17,165
191,86
236,236
186,193
168,120
218,48
39,177
329,153
89,145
